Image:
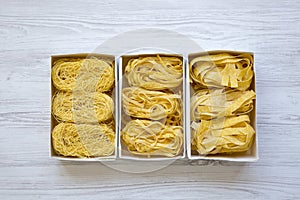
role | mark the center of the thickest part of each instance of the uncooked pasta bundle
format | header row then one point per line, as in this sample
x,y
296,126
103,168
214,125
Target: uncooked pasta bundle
x,y
83,140
174,119
82,107
156,105
150,138
155,73
208,104
89,75
222,70
222,135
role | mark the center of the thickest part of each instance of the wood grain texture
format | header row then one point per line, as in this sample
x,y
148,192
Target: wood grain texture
x,y
30,31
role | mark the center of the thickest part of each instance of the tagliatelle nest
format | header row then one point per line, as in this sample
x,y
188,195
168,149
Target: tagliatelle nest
x,y
223,135
208,104
83,140
82,107
156,105
155,73
174,119
149,138
222,70
89,74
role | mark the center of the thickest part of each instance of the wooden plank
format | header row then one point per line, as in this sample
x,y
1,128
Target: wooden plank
x,y
30,31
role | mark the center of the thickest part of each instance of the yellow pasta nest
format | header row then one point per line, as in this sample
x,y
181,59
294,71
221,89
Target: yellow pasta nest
x,y
174,119
222,70
156,105
90,75
82,107
149,138
83,140
154,73
223,135
208,104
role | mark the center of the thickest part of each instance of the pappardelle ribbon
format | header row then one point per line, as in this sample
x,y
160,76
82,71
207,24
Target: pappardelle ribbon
x,y
222,70
222,135
208,104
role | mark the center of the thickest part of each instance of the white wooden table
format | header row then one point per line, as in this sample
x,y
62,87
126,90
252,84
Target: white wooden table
x,y
30,31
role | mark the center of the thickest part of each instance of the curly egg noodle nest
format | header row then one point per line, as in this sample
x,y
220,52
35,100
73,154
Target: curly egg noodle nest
x,y
87,75
82,107
83,140
155,128
84,112
219,112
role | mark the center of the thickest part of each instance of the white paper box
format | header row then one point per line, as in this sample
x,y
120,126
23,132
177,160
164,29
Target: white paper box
x,y
252,154
115,98
122,62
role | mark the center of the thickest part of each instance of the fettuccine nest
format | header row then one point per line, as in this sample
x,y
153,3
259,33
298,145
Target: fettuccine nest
x,y
145,137
147,104
154,73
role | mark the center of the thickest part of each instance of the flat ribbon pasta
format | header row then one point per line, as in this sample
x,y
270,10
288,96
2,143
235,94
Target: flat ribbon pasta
x,y
154,73
223,135
174,119
208,104
83,140
82,107
156,105
222,70
89,75
145,137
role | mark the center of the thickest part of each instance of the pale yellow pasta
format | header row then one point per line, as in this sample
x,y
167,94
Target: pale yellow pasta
x,y
155,73
222,135
152,138
222,70
174,119
156,105
87,75
82,107
83,140
208,104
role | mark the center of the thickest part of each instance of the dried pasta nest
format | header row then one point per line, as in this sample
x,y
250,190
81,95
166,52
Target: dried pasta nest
x,y
82,107
152,138
89,74
154,73
222,135
208,104
156,105
174,119
222,70
83,140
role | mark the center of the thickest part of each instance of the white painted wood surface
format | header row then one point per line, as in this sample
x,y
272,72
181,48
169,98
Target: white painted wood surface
x,y
30,31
